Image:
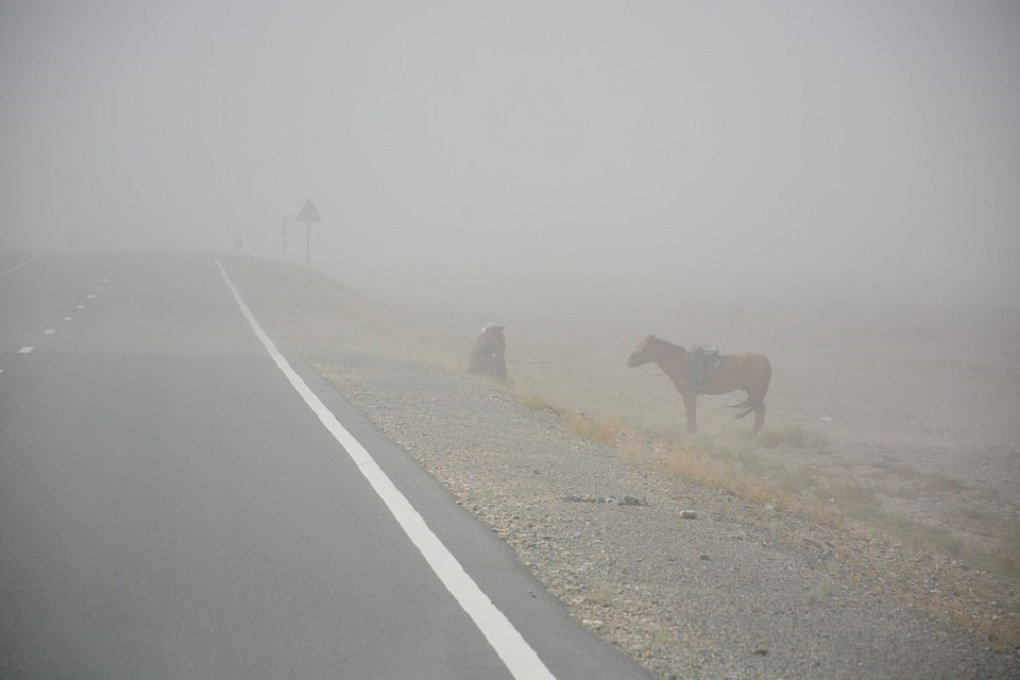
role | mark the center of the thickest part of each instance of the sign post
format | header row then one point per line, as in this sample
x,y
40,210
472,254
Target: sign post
x,y
309,213
284,232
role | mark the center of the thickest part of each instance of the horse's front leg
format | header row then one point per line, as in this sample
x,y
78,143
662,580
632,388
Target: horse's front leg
x,y
691,407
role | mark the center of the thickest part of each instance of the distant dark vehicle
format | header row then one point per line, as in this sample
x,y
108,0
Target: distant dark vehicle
x,y
741,371
488,356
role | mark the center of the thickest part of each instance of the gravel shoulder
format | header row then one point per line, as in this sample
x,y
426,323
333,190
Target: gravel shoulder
x,y
690,581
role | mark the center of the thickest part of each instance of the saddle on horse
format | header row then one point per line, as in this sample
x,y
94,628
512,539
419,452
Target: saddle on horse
x,y
703,364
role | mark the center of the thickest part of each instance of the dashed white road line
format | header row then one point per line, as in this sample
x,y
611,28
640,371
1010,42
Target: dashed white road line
x,y
517,655
49,331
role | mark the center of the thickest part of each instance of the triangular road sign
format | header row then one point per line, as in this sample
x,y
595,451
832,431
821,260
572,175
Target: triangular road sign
x,y
309,213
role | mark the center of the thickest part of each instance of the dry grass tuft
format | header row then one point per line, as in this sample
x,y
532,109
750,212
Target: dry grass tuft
x,y
687,464
535,402
631,452
940,484
1005,560
823,514
593,429
601,594
701,462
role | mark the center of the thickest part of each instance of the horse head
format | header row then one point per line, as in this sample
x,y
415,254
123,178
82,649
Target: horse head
x,y
644,353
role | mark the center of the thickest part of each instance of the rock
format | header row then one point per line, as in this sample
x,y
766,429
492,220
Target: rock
x,y
607,500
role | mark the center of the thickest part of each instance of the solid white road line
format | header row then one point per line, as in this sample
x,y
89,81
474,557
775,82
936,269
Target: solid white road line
x,y
19,266
520,659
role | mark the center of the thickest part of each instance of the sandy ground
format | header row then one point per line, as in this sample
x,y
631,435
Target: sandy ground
x,y
907,416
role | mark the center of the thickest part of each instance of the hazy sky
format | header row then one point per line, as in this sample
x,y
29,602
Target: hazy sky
x,y
844,148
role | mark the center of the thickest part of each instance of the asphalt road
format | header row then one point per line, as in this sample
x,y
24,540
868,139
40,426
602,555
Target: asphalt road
x,y
171,507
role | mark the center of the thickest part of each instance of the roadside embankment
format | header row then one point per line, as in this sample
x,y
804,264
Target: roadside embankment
x,y
690,578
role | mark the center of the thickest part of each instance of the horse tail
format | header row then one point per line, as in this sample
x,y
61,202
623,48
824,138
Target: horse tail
x,y
745,413
756,398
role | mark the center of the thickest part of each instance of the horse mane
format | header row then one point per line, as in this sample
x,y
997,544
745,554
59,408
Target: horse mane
x,y
667,343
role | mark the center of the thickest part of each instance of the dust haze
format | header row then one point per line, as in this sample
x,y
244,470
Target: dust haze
x,y
836,185
733,173
546,153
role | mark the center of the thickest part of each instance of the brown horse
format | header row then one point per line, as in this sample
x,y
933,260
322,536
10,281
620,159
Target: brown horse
x,y
741,371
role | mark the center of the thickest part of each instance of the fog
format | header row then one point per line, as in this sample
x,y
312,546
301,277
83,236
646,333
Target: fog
x,y
548,152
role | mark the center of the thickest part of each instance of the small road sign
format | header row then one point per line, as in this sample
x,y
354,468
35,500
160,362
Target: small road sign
x,y
309,213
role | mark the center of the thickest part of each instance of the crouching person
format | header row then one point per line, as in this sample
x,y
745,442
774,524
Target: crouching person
x,y
488,356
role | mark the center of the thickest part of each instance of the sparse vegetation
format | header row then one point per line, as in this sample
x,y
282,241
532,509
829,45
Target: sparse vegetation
x,y
729,461
852,495
791,435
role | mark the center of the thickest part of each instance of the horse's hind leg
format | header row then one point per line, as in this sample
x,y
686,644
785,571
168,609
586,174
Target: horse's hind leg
x,y
759,416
